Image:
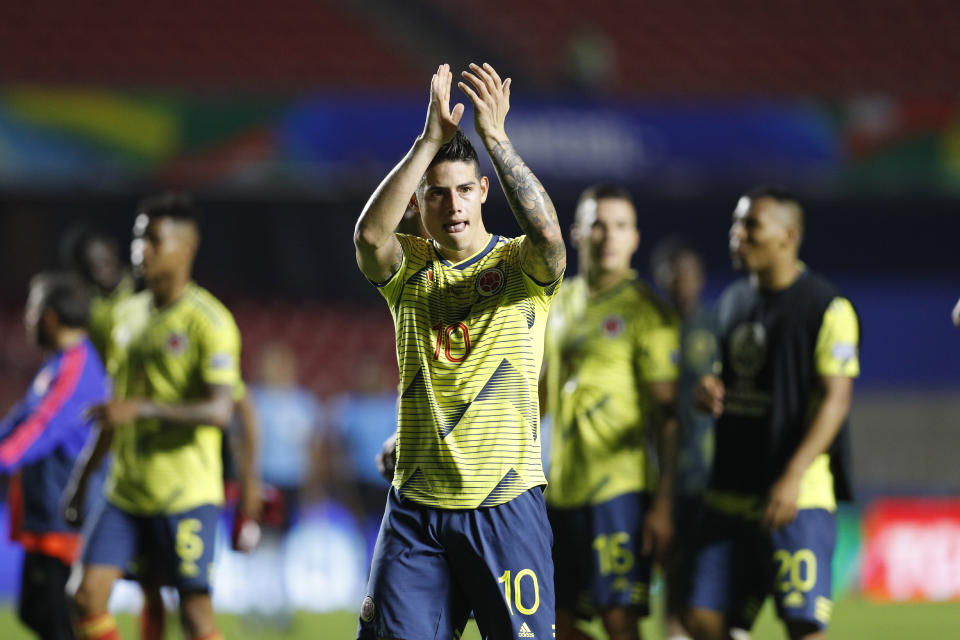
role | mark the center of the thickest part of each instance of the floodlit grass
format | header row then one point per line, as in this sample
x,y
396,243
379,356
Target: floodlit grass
x,y
854,618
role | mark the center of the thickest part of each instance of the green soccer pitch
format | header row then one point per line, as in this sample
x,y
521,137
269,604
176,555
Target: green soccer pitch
x,y
854,618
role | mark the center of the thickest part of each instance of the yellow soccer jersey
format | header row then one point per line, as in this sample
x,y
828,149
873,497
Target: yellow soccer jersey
x,y
602,350
469,347
169,356
836,354
101,315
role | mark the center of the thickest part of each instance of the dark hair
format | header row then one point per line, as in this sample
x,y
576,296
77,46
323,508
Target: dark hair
x,y
601,191
788,199
171,204
459,149
781,195
66,294
605,191
669,249
74,243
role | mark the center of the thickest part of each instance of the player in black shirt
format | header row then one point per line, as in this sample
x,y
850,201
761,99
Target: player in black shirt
x,y
788,346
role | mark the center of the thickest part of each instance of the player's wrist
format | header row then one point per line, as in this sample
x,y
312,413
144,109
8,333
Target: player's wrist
x,y
493,138
429,141
794,471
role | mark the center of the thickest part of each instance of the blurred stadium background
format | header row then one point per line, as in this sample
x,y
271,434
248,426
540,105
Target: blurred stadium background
x,y
281,117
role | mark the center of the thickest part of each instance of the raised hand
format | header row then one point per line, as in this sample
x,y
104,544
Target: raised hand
x,y
491,100
441,122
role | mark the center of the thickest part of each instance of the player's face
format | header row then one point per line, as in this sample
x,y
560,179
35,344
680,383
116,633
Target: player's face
x,y
450,206
758,235
103,263
608,235
164,247
687,279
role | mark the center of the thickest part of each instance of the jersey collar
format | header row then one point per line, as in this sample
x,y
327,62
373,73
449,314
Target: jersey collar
x,y
475,258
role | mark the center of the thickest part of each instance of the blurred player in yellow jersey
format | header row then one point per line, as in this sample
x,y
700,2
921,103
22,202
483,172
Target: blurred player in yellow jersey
x,y
610,372
174,352
465,526
95,256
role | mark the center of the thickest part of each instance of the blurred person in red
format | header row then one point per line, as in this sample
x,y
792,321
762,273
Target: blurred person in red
x,y
40,439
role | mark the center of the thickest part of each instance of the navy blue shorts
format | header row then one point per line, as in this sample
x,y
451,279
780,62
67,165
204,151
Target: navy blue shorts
x,y
167,549
431,567
597,556
737,565
687,521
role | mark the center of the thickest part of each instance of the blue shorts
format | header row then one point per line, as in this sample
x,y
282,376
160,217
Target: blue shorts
x,y
597,556
737,565
166,549
431,567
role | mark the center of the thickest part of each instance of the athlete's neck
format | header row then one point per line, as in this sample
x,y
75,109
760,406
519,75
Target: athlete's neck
x,y
778,276
598,280
686,306
68,337
459,255
167,290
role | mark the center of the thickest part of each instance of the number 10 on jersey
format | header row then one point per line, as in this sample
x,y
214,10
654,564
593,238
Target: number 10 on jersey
x,y
450,339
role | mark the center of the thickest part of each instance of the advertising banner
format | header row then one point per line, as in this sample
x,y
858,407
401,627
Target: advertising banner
x,y
912,550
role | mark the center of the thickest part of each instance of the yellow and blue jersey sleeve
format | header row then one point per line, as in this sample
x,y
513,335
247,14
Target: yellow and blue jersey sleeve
x,y
540,294
837,350
218,339
416,253
659,352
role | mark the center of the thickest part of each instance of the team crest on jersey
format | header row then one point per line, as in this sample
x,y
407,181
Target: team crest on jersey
x,y
367,609
490,281
748,349
613,326
176,343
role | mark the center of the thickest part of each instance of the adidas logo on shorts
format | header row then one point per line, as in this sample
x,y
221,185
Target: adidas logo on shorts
x,y
525,631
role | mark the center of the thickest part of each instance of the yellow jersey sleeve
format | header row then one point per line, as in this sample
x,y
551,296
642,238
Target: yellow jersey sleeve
x,y
659,353
392,288
540,294
219,344
837,350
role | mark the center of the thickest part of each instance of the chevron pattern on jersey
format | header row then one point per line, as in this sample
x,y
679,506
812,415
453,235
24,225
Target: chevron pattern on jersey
x,y
504,393
417,482
449,415
509,485
469,347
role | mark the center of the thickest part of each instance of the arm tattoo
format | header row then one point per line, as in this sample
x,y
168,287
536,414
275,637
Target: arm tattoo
x,y
533,209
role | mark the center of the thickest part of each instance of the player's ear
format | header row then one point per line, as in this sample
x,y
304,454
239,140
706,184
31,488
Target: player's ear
x,y
484,189
793,236
50,321
414,204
